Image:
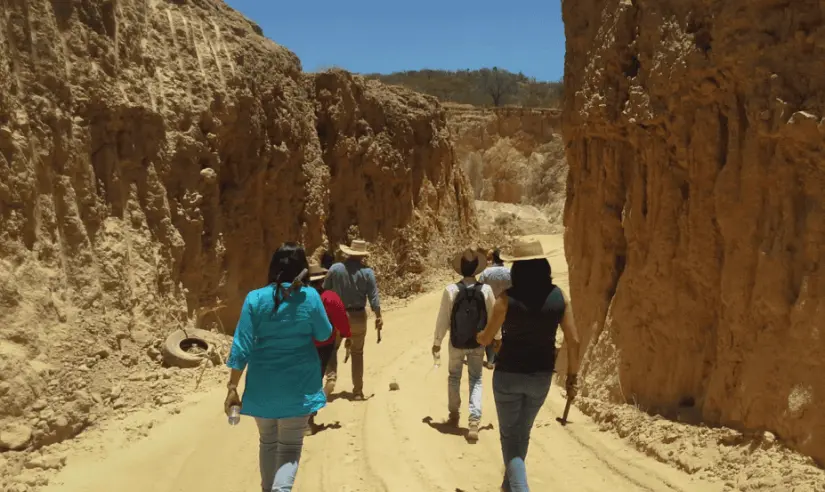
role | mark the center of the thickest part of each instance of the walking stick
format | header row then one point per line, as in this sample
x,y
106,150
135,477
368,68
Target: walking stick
x,y
563,419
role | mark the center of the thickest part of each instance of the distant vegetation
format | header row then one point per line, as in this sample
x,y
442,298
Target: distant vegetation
x,y
485,87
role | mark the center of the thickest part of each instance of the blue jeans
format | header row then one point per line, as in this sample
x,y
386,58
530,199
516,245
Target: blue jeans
x,y
519,397
281,443
475,362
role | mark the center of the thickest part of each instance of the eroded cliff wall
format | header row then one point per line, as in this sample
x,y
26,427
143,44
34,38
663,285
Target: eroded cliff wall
x,y
153,154
695,209
511,155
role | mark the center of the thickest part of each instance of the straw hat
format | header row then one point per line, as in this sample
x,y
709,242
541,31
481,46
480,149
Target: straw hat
x,y
470,253
526,248
317,272
357,248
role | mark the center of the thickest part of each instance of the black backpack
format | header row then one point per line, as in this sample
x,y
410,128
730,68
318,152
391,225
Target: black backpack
x,y
469,316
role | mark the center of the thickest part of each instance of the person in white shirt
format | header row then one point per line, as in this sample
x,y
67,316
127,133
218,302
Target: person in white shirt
x,y
496,276
465,308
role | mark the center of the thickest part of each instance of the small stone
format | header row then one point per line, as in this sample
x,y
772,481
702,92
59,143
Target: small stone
x,y
394,386
4,388
138,376
97,398
39,405
166,400
83,368
102,352
32,478
152,352
167,374
118,404
116,391
15,437
48,462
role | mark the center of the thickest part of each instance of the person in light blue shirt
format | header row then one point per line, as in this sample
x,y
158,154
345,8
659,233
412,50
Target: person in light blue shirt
x,y
274,342
355,284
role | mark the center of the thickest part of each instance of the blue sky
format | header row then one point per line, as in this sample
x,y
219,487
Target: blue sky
x,y
388,36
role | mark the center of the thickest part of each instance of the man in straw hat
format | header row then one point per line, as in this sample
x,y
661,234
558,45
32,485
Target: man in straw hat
x,y
337,315
355,283
463,313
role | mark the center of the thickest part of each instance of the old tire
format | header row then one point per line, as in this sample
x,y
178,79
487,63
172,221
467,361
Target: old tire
x,y
175,347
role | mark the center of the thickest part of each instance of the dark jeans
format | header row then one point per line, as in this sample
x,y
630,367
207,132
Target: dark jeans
x,y
325,354
519,397
491,354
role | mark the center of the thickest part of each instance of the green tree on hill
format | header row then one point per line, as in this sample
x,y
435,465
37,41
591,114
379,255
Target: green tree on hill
x,y
485,87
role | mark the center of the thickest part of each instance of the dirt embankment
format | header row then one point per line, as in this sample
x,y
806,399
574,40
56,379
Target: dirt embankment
x,y
694,211
511,155
152,156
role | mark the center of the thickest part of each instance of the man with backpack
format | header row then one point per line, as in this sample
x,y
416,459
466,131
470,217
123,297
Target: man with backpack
x,y
464,309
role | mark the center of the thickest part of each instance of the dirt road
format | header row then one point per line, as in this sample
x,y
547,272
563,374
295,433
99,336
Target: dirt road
x,y
395,441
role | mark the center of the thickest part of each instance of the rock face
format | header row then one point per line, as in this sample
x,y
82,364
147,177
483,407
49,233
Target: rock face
x,y
511,155
696,209
152,157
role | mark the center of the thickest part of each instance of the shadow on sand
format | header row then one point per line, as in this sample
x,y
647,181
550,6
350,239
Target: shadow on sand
x,y
317,429
450,430
347,395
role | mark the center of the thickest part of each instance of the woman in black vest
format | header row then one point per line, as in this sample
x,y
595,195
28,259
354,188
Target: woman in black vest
x,y
529,314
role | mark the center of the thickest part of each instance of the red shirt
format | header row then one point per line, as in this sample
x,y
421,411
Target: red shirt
x,y
337,314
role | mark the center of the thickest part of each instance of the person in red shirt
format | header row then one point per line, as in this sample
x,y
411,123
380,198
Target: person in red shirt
x,y
337,314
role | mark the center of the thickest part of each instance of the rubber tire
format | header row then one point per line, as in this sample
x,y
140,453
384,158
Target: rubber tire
x,y
174,355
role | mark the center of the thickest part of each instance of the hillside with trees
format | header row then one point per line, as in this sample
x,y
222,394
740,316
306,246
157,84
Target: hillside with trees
x,y
485,87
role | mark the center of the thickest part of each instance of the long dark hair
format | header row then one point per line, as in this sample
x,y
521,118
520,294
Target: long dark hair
x,y
532,281
286,264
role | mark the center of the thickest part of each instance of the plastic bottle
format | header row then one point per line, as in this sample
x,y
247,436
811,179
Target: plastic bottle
x,y
437,359
234,414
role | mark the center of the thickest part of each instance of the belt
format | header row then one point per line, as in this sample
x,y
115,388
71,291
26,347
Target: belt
x,y
356,309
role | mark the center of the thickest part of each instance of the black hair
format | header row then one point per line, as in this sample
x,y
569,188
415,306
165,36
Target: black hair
x,y
497,257
532,281
327,259
286,264
469,267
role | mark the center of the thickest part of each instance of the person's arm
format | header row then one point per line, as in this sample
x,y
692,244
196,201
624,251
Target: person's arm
x,y
490,301
239,353
442,321
571,337
338,315
494,321
321,327
372,293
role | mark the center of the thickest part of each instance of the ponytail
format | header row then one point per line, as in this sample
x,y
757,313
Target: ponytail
x,y
286,264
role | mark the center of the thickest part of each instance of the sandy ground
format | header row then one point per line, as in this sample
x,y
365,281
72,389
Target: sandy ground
x,y
394,441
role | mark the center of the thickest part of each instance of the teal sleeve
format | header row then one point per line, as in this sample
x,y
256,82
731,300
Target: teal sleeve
x,y
242,343
321,327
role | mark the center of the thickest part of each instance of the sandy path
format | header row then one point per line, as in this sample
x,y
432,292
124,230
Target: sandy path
x,y
392,442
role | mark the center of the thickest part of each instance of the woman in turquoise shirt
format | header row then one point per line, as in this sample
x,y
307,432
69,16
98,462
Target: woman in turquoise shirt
x,y
274,339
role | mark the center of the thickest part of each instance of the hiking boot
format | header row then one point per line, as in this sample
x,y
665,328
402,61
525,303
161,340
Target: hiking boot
x,y
309,430
358,396
454,419
472,434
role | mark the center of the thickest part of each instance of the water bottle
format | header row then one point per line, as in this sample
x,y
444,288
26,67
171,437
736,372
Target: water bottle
x,y
234,414
437,359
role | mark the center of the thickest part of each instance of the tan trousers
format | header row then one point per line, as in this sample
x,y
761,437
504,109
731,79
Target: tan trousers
x,y
358,324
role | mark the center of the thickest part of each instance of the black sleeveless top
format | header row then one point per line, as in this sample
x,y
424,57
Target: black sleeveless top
x,y
528,335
